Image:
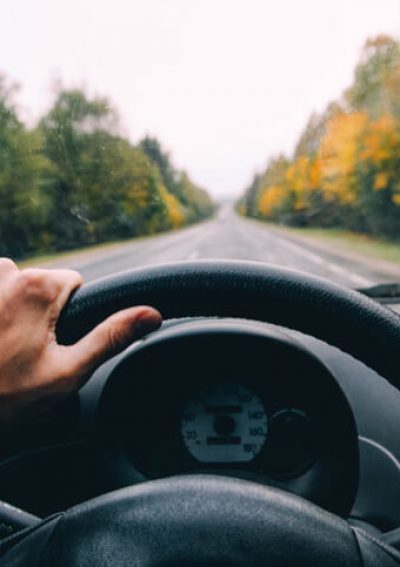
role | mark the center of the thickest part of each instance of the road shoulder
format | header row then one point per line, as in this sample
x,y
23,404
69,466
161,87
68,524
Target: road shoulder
x,y
337,250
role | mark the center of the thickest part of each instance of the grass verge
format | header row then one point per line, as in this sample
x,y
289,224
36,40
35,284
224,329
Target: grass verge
x,y
44,258
364,244
75,254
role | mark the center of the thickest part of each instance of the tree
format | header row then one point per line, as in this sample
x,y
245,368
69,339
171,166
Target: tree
x,y
378,177
74,180
170,178
104,188
346,169
69,133
22,202
376,85
195,203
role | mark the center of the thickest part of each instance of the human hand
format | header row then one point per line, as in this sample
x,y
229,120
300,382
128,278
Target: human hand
x,y
35,371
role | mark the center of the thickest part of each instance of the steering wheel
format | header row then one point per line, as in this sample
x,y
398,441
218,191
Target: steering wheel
x,y
205,519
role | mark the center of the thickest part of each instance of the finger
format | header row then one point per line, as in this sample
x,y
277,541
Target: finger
x,y
7,266
110,337
68,281
47,287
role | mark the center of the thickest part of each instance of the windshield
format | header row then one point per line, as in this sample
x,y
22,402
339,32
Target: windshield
x,y
134,133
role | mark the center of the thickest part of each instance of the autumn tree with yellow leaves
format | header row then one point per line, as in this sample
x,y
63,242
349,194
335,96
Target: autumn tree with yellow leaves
x,y
345,170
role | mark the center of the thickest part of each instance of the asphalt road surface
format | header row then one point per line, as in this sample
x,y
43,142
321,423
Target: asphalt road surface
x,y
231,237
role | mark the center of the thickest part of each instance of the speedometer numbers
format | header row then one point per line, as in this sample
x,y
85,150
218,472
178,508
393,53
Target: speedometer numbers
x,y
224,423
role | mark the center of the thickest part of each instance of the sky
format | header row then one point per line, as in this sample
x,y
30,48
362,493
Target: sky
x,y
224,84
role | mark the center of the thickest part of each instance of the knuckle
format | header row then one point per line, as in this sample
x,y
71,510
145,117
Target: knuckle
x,y
39,284
116,336
68,275
7,265
66,280
46,285
31,279
76,276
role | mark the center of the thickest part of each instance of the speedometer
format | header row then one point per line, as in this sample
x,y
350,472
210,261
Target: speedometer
x,y
224,423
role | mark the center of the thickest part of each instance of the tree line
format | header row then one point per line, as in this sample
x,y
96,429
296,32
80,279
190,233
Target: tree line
x,y
345,170
74,180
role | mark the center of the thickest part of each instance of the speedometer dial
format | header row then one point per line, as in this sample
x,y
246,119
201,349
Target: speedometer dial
x,y
224,423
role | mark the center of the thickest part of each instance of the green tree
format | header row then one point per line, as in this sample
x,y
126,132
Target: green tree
x,y
74,180
376,84
22,201
68,132
152,148
195,201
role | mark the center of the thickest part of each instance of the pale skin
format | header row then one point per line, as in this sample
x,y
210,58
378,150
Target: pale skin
x,y
35,371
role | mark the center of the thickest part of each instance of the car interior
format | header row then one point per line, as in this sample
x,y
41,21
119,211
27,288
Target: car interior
x,y
234,165
265,411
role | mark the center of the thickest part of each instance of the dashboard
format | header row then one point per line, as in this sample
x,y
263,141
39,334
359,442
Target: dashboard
x,y
237,399
227,396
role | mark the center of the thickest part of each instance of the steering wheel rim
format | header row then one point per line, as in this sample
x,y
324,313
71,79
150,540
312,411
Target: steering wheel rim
x,y
342,317
337,315
201,520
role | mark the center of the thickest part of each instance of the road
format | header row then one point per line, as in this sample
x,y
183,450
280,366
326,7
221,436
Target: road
x,y
227,236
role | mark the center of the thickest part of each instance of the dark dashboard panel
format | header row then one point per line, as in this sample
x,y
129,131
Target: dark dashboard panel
x,y
306,440
31,467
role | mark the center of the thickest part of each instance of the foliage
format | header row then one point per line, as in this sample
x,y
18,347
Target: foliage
x,y
22,171
345,170
194,201
74,180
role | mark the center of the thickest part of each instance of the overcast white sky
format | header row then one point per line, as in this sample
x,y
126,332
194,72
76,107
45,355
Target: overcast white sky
x,y
222,83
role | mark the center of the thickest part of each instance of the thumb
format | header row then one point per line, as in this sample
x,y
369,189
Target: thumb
x,y
110,337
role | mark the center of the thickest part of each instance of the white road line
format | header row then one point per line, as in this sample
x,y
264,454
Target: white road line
x,y
358,280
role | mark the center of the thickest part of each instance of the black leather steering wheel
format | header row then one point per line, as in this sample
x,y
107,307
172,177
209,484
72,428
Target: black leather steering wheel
x,y
206,520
